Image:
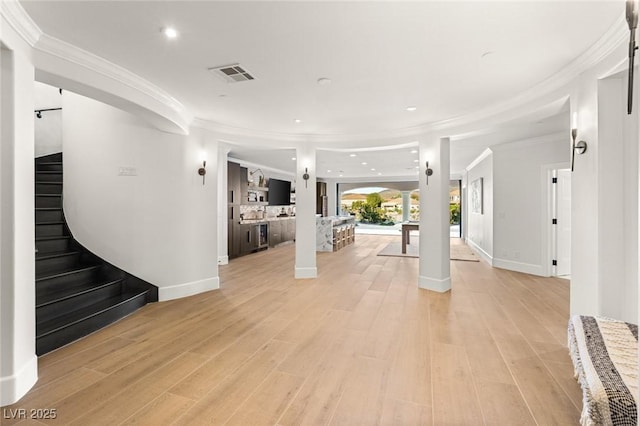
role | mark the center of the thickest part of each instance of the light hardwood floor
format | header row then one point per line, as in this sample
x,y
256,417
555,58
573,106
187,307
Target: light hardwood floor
x,y
361,344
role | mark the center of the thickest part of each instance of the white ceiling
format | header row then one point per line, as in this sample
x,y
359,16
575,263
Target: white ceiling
x,y
447,58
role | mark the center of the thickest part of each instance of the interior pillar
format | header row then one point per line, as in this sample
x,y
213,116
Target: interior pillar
x,y
305,266
18,361
406,205
434,267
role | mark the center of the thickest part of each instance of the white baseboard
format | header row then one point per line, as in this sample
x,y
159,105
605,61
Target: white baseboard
x,y
434,284
527,268
188,289
14,387
223,260
483,254
303,273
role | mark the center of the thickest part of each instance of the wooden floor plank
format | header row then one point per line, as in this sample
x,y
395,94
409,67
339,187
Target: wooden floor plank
x,y
360,344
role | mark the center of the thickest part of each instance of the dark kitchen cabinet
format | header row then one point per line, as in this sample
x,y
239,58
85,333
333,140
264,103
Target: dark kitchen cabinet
x,y
233,210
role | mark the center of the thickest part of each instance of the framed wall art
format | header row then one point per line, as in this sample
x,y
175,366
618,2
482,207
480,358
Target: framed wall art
x,y
476,196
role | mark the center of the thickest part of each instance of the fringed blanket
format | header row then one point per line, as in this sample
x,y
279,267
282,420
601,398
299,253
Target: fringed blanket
x,y
605,357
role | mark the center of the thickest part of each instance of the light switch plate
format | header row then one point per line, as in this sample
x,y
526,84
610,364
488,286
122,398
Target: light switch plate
x,y
127,171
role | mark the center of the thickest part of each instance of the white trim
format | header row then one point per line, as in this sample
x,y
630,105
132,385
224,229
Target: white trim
x,y
304,273
487,152
99,65
223,260
188,289
14,387
21,22
483,254
519,105
434,284
527,268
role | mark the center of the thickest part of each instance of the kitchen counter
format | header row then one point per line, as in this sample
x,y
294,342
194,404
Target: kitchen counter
x,y
267,219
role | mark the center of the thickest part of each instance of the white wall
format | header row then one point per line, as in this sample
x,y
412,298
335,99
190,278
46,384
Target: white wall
x,y
48,129
618,204
520,225
589,192
159,225
480,226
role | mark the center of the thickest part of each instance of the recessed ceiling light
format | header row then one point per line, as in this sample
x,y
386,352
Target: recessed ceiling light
x,y
411,108
328,171
364,163
340,175
417,167
324,81
170,32
297,120
415,161
414,151
373,169
379,174
293,158
352,155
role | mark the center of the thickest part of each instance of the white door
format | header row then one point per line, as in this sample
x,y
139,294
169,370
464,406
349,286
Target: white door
x,y
563,231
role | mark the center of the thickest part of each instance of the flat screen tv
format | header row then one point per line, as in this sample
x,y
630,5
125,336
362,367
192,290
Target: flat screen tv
x,y
279,192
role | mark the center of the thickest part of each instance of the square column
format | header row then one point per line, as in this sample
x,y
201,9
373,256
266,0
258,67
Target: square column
x,y
306,212
434,267
18,361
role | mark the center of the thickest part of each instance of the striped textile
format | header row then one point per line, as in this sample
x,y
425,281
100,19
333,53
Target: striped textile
x,y
605,358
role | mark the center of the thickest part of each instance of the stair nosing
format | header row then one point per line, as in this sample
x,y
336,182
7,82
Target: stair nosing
x,y
69,272
60,254
48,195
58,222
53,237
79,320
80,293
46,182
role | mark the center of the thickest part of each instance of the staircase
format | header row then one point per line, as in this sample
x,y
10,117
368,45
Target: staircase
x,y
77,293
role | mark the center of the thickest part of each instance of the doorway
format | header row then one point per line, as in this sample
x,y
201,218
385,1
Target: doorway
x,y
562,226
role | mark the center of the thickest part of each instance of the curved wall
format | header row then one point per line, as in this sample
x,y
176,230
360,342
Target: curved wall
x,y
132,195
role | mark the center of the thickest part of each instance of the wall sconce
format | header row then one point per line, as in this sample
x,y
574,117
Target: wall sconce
x,y
305,176
202,170
428,172
580,146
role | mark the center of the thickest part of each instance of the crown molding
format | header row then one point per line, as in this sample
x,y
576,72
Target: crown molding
x,y
99,65
486,153
15,15
615,36
520,104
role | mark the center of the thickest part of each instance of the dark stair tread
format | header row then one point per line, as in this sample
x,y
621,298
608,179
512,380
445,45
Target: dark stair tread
x,y
57,222
49,171
75,317
49,162
55,254
55,295
75,269
53,237
46,182
48,195
48,208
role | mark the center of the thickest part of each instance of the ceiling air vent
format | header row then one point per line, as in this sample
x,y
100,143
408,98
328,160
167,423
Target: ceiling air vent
x,y
232,73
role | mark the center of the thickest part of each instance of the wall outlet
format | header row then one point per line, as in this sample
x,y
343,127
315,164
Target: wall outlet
x,y
127,171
